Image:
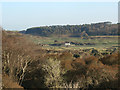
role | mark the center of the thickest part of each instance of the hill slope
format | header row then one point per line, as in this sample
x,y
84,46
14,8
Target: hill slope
x,y
104,28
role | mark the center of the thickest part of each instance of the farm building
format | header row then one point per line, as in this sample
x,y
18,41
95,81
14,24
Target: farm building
x,y
67,44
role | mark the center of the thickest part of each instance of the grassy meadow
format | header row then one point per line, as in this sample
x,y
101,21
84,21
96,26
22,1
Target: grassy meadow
x,y
101,42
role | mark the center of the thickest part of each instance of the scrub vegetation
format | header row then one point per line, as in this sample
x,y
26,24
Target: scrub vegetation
x,y
30,61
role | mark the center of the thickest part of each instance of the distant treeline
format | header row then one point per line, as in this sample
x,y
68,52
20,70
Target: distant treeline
x,y
103,28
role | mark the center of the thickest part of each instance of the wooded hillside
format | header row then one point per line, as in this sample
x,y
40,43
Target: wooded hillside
x,y
103,28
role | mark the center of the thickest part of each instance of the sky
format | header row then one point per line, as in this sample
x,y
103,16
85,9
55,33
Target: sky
x,y
23,15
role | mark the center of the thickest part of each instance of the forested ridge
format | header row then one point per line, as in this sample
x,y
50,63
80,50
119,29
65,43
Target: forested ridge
x,y
102,28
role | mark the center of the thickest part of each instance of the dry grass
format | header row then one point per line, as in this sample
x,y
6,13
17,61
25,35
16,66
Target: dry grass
x,y
104,36
9,83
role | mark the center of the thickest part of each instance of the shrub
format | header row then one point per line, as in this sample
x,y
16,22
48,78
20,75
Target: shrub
x,y
66,56
91,60
101,74
16,56
76,55
71,85
90,73
77,71
111,59
79,65
67,64
53,77
34,76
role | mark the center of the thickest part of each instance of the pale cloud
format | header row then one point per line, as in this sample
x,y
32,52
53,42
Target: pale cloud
x,y
59,0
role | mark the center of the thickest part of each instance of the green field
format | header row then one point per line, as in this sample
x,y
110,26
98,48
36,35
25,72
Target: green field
x,y
101,42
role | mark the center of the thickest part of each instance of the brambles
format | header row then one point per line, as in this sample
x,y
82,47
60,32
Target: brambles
x,y
91,60
66,56
113,59
79,64
91,73
66,64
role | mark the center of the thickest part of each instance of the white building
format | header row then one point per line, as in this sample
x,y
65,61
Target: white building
x,y
67,44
